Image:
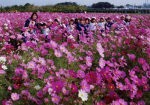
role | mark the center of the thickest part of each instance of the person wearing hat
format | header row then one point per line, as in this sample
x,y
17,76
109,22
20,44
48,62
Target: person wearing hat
x,y
80,24
108,24
49,23
93,24
127,20
87,24
101,24
71,25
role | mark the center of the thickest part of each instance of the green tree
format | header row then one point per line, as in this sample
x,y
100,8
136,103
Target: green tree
x,y
102,5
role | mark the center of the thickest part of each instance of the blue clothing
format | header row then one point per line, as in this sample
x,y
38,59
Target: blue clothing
x,y
80,26
108,25
27,23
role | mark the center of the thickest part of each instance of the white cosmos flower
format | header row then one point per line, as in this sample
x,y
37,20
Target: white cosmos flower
x,y
4,67
2,59
50,90
83,95
37,87
71,37
5,24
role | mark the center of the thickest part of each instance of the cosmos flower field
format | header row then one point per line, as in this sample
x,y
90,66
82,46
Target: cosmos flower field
x,y
111,68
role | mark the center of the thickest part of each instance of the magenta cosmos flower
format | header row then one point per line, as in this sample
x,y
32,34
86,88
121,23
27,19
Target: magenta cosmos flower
x,y
57,86
91,77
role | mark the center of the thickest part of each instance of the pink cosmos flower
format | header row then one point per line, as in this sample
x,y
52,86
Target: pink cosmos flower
x,y
88,61
139,94
58,53
85,86
7,102
120,86
15,96
46,100
109,63
131,56
40,94
91,77
70,58
141,61
31,65
57,86
24,75
42,61
101,103
55,99
63,49
72,74
148,74
100,49
9,88
119,102
141,102
80,74
44,52
102,63
65,91
113,95
74,88
133,103
18,71
146,66
133,90
19,36
99,78
25,94
83,67
2,72
53,44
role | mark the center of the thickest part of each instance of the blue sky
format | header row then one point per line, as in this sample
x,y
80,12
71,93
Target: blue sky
x,y
83,2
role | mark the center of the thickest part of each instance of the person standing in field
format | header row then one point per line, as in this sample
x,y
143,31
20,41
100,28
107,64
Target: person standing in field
x,y
93,24
32,21
127,20
30,26
108,23
101,24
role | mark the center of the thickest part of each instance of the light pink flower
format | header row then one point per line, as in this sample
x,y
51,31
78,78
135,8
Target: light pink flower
x,y
88,61
15,96
119,102
102,63
2,72
58,53
100,49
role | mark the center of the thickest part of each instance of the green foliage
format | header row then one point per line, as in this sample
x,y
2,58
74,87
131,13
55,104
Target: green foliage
x,y
102,5
71,7
60,7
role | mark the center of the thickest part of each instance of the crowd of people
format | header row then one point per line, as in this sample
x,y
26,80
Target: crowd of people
x,y
70,28
82,25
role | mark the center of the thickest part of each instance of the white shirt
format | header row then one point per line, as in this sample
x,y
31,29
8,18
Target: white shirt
x,y
92,26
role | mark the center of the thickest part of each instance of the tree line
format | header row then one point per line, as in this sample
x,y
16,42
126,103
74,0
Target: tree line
x,y
59,7
72,7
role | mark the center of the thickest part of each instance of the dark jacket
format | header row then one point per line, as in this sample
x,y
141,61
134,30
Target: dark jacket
x,y
27,22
